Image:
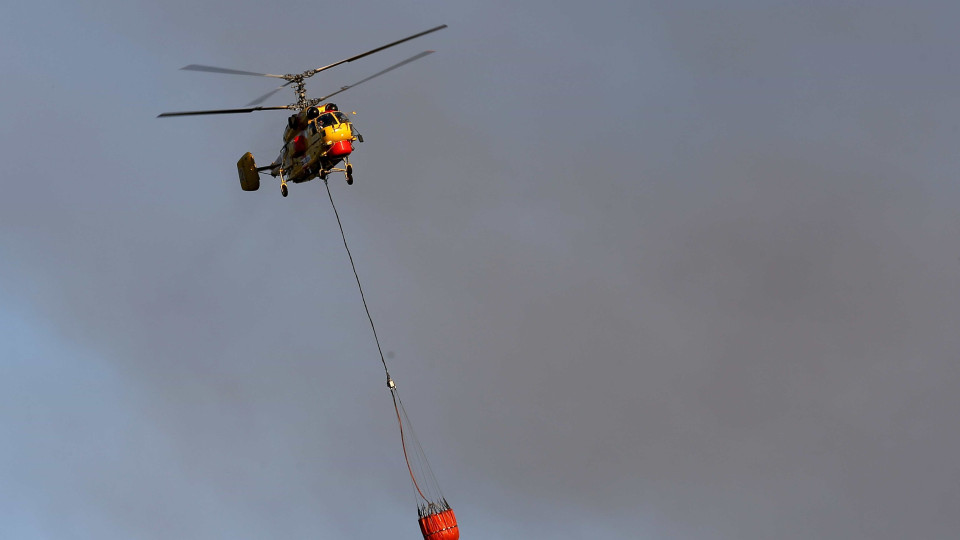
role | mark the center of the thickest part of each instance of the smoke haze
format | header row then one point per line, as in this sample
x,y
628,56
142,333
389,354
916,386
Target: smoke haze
x,y
657,270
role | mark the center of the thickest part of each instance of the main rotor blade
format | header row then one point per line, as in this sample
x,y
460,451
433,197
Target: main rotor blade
x,y
379,73
214,69
378,49
264,97
223,111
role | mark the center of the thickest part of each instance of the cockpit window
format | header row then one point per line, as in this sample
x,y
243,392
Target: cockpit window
x,y
326,120
341,117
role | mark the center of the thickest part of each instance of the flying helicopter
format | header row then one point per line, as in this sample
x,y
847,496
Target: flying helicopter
x,y
318,138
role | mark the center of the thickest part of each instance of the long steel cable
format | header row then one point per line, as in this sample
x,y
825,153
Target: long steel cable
x,y
359,286
390,383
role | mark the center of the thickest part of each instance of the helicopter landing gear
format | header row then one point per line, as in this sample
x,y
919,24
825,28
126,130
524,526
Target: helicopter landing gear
x,y
283,184
349,174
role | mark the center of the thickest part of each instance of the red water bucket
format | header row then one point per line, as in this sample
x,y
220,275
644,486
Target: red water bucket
x,y
440,526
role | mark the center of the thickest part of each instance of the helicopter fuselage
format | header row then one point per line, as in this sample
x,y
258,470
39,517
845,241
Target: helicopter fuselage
x,y
316,141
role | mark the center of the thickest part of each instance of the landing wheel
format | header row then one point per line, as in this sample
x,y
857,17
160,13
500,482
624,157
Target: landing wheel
x,y
283,189
349,175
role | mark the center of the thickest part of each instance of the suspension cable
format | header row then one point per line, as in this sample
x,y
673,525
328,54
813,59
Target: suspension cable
x,y
359,286
403,444
390,384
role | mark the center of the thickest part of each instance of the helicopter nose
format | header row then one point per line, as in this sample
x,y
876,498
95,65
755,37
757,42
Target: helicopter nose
x,y
341,148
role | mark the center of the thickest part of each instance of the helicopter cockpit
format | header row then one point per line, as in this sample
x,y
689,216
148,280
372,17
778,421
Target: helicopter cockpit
x,y
328,119
333,126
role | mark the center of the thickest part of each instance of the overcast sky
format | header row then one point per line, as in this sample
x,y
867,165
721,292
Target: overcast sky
x,y
660,270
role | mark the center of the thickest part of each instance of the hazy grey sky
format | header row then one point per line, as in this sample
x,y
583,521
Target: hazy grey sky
x,y
663,270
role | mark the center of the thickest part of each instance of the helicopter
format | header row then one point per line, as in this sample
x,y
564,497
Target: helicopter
x,y
318,138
